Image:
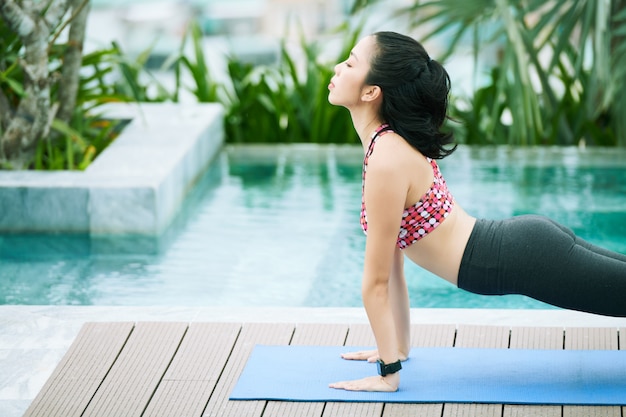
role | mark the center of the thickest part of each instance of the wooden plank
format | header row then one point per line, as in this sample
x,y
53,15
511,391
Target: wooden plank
x,y
494,337
164,369
430,335
534,338
190,379
316,335
475,337
603,338
537,338
136,373
353,409
293,409
81,370
250,335
424,336
358,335
591,338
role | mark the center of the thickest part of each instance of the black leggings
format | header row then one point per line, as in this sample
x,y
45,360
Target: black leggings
x,y
535,256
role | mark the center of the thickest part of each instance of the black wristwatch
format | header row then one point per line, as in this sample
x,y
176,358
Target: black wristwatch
x,y
386,369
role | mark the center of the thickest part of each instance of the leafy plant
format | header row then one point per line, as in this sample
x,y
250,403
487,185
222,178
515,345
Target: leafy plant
x,y
72,130
307,106
107,75
482,116
542,81
285,102
253,113
27,109
276,103
203,87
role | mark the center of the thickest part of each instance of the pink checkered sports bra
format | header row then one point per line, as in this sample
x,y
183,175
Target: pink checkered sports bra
x,y
423,217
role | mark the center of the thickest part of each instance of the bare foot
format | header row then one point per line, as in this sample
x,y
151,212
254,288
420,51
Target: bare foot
x,y
372,384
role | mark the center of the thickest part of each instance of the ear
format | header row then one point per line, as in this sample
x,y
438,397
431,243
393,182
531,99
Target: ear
x,y
371,93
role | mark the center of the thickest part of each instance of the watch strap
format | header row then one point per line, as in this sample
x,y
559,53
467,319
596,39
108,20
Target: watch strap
x,y
387,369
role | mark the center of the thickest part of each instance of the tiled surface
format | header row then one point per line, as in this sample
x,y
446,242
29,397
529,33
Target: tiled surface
x,y
34,338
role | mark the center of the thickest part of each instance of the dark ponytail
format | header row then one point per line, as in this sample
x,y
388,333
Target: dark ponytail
x,y
415,92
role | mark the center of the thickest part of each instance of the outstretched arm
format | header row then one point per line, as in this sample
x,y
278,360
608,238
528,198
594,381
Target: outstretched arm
x,y
399,298
385,194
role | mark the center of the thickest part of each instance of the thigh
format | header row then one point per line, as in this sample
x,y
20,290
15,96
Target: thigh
x,y
546,261
533,251
590,246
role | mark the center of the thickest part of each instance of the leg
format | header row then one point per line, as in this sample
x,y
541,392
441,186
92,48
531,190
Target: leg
x,y
546,261
534,256
590,246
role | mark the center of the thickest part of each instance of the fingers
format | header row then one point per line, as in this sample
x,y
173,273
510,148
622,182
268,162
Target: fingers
x,y
370,384
363,355
347,386
366,355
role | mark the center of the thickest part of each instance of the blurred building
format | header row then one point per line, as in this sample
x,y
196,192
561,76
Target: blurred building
x,y
251,27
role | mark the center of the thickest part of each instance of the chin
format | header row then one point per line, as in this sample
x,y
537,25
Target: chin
x,y
333,99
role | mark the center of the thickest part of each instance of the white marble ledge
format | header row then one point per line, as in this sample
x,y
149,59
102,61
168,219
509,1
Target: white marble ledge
x,y
135,186
34,327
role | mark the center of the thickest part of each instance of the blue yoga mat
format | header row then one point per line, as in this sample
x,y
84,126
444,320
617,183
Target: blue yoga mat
x,y
438,375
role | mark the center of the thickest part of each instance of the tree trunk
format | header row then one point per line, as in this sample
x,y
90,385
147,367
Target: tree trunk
x,y
72,60
32,117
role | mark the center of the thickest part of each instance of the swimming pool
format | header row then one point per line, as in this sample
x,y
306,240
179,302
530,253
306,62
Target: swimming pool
x,y
279,226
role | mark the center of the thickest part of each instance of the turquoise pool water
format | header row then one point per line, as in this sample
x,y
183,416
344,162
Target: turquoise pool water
x,y
279,226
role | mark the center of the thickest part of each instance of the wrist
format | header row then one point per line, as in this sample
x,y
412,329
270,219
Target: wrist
x,y
392,380
385,369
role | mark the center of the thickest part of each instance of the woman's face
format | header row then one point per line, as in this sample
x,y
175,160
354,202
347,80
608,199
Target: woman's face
x,y
346,86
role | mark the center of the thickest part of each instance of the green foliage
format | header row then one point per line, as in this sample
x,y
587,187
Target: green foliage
x,y
251,114
284,103
107,75
560,67
481,119
558,80
309,115
278,103
204,88
11,75
360,5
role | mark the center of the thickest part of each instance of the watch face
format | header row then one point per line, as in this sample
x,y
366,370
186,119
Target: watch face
x,y
381,368
384,370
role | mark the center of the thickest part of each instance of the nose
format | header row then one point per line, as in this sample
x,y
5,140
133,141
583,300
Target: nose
x,y
337,68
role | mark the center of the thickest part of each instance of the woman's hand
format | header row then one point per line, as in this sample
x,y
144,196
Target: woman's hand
x,y
362,355
387,383
376,383
367,355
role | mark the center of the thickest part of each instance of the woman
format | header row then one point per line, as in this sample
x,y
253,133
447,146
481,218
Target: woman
x,y
397,97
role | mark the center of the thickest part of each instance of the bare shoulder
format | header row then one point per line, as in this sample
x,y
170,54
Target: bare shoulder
x,y
395,163
389,150
394,154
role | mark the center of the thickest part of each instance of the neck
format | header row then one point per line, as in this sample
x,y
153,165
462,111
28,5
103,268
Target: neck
x,y
365,123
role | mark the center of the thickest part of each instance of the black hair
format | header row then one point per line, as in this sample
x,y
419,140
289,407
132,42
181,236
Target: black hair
x,y
415,92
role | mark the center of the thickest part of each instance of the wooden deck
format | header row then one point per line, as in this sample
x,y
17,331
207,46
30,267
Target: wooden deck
x,y
152,369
